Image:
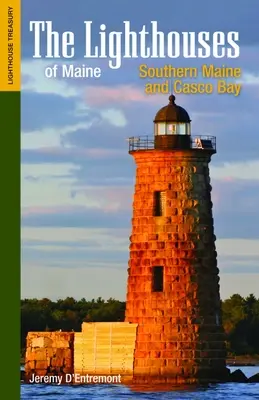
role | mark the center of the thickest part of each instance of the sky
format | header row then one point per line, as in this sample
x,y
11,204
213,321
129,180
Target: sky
x,y
76,174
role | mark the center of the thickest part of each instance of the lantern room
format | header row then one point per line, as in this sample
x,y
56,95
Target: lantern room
x,y
172,127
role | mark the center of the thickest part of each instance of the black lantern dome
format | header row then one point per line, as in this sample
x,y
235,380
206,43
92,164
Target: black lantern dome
x,y
172,113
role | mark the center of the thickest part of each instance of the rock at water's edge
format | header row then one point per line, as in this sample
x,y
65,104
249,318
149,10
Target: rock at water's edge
x,y
238,376
254,378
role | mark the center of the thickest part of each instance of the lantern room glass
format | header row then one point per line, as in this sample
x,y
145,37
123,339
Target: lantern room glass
x,y
172,128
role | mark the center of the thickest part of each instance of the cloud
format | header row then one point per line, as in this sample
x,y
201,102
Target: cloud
x,y
105,199
95,256
114,117
64,154
55,186
79,217
103,207
249,79
236,208
34,80
243,193
48,137
247,170
234,282
74,235
53,144
72,175
59,282
238,247
122,94
30,211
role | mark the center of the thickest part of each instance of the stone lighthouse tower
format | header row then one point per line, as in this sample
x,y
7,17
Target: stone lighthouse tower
x,y
173,283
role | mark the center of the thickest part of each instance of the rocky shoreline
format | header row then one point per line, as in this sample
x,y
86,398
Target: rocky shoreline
x,y
238,376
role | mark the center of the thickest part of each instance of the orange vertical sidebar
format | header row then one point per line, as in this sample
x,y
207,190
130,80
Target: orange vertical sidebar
x,y
10,45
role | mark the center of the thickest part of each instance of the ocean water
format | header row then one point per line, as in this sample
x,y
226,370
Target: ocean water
x,y
229,391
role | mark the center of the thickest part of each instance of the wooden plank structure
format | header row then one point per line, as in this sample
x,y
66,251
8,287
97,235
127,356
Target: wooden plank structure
x,y
105,348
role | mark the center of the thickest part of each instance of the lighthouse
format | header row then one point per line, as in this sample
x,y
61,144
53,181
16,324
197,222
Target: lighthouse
x,y
173,279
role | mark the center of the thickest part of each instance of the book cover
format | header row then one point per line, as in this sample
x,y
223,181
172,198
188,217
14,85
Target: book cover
x,y
135,127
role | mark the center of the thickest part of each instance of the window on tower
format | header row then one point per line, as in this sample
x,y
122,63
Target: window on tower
x,y
158,279
159,204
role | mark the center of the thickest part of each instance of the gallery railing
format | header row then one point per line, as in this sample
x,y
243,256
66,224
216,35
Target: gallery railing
x,y
199,142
